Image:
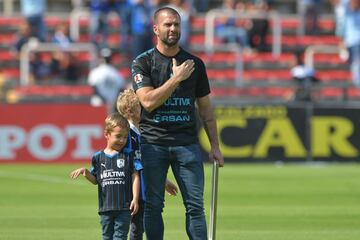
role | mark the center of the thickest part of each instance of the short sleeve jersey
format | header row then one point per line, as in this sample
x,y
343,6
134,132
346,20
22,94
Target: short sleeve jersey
x,y
174,122
114,177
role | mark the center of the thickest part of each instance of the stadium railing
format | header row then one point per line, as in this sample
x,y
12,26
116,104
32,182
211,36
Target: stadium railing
x,y
8,7
211,16
309,61
310,51
35,46
75,16
211,47
239,63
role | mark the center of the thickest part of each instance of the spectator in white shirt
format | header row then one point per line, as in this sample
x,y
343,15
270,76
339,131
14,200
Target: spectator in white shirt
x,y
106,81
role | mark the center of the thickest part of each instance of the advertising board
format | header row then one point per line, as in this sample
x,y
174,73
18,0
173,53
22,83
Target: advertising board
x,y
50,132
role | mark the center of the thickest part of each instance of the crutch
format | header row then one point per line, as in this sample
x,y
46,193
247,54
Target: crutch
x,y
213,204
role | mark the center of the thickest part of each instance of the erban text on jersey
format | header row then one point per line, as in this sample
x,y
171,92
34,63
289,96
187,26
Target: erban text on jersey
x,y
171,118
112,182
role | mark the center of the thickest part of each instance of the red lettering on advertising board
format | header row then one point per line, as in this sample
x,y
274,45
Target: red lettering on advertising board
x,y
50,132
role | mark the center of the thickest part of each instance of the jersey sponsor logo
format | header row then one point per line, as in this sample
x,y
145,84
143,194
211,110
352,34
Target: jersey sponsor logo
x,y
112,182
175,101
120,163
138,78
112,174
171,118
111,177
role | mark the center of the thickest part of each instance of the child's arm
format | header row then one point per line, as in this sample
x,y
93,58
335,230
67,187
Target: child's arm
x,y
134,206
86,173
171,188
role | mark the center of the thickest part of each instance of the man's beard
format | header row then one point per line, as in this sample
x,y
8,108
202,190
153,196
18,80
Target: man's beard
x,y
172,42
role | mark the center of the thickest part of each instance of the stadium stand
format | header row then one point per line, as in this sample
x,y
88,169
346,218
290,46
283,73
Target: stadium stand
x,y
264,75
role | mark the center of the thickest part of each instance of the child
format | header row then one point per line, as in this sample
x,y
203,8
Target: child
x,y
129,106
118,182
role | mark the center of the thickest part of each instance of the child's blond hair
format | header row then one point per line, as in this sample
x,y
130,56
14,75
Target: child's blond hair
x,y
126,102
115,120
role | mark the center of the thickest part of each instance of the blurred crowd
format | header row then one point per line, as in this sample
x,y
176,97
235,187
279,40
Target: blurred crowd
x,y
59,64
134,29
249,33
135,32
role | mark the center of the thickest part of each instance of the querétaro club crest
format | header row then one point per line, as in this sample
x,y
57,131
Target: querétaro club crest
x,y
120,163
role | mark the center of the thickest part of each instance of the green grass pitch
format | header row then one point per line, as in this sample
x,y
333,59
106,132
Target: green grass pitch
x,y
256,202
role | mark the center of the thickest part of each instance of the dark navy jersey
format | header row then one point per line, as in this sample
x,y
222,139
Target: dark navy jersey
x,y
174,122
114,177
134,147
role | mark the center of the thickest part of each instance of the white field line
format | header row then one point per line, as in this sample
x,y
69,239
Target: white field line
x,y
41,178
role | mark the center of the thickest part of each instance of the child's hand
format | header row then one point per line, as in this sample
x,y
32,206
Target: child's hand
x,y
134,207
74,174
171,188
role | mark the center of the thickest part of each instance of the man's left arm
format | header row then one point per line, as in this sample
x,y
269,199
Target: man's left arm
x,y
208,119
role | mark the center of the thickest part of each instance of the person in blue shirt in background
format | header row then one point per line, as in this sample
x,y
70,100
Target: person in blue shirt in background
x,y
34,11
99,21
231,30
141,27
350,33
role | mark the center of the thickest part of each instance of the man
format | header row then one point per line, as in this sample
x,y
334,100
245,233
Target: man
x,y
106,81
168,82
